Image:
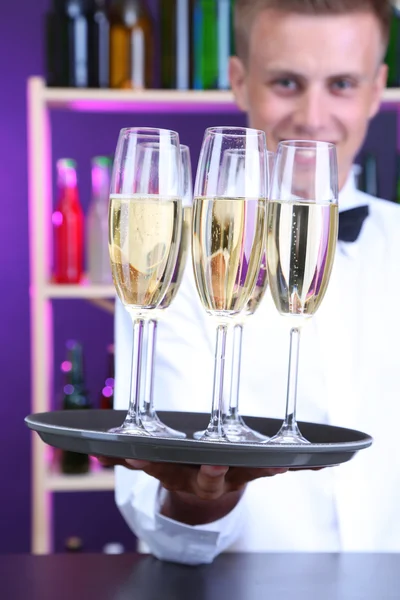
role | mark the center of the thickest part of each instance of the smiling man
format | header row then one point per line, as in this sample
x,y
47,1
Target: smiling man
x,y
310,70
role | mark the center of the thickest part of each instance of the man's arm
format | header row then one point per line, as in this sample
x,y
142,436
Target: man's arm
x,y
196,495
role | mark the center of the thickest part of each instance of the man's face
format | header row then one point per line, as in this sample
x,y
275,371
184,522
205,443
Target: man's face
x,y
312,77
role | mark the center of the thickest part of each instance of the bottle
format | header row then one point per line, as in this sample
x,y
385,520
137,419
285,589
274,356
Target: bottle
x,y
358,176
68,225
66,27
224,20
393,52
98,45
75,398
98,260
113,548
175,44
205,45
131,45
370,175
73,544
397,192
107,392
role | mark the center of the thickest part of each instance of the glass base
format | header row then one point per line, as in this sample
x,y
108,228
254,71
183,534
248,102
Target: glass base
x,y
288,434
238,432
157,428
131,427
211,435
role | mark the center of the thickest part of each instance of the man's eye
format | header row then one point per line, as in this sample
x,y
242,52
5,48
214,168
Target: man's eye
x,y
342,85
287,84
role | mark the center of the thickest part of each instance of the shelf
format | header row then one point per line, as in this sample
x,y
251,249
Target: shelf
x,y
143,101
391,96
84,291
151,101
97,480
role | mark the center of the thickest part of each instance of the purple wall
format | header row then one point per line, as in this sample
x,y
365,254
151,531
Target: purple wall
x,y
80,136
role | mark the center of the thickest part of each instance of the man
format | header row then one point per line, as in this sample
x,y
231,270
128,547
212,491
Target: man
x,y
305,69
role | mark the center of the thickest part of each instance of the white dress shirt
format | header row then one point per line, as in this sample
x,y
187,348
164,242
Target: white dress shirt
x,y
349,376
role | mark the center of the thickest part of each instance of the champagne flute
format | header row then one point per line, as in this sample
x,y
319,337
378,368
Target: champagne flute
x,y
228,238
145,225
234,425
302,226
150,419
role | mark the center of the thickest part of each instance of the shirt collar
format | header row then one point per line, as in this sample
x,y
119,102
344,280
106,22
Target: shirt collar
x,y
350,196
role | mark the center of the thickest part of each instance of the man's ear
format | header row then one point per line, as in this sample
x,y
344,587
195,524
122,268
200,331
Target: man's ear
x,y
237,78
379,87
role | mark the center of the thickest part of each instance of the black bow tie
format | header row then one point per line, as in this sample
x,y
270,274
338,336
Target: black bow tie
x,y
351,222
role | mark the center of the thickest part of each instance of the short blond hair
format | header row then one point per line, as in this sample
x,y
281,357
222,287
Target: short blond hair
x,y
247,10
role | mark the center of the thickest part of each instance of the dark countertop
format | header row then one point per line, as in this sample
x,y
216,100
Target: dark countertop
x,y
231,576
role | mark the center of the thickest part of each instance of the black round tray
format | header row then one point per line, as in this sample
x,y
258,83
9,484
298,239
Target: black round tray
x,y
85,431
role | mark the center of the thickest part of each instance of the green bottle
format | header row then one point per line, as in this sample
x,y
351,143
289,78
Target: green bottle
x,y
393,51
205,44
175,40
75,398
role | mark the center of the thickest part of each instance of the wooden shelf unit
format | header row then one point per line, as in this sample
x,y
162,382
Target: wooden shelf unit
x,y
40,101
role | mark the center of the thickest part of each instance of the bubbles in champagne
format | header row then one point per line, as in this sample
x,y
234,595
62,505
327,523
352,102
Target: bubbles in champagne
x,y
144,238
228,244
301,246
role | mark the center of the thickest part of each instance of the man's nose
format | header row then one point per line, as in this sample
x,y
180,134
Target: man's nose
x,y
312,112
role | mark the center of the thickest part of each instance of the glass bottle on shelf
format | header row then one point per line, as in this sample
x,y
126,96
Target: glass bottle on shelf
x,y
75,397
73,544
68,225
98,44
175,44
224,19
393,52
66,26
397,181
370,171
107,392
131,45
98,260
205,44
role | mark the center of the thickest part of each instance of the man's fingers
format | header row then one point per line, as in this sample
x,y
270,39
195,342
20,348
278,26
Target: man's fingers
x,y
210,483
109,461
139,465
238,477
211,471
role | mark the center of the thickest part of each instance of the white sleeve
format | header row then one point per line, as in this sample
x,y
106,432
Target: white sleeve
x,y
139,498
182,382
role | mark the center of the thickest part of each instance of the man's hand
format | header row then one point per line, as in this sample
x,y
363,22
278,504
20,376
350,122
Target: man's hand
x,y
205,482
198,494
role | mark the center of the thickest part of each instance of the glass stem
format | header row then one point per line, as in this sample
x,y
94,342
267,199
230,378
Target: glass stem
x,y
148,411
133,415
291,398
233,413
215,427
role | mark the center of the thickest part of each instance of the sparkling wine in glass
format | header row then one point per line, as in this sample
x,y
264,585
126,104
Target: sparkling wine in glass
x,y
149,417
228,239
302,226
145,226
